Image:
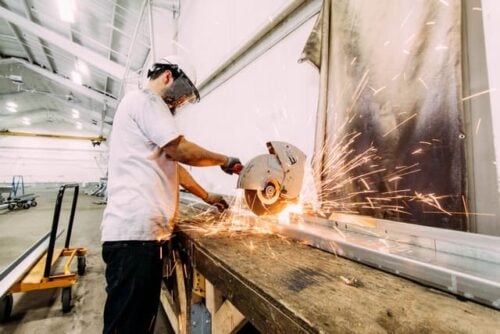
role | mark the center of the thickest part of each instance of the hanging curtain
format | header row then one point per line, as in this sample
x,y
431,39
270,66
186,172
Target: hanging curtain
x,y
390,139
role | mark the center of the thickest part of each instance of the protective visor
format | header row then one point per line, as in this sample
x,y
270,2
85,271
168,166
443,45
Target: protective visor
x,y
181,91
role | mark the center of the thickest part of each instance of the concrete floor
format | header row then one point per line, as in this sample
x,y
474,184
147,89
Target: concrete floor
x,y
40,312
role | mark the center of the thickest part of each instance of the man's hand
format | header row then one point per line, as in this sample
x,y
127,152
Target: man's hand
x,y
216,200
232,165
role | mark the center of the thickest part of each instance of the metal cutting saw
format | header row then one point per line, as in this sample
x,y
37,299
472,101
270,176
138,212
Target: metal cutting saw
x,y
272,181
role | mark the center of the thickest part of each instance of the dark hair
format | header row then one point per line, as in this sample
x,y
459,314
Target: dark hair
x,y
158,69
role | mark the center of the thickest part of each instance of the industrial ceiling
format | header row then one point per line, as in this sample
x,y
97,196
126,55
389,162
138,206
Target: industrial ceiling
x,y
63,62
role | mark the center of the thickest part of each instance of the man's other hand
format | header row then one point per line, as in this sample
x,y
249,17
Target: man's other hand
x,y
232,165
217,200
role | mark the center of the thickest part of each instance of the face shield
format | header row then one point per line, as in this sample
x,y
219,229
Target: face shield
x,y
181,91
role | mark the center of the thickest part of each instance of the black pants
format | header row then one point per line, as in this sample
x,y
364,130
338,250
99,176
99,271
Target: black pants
x,y
133,276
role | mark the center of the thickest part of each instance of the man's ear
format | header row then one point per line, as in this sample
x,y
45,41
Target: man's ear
x,y
167,77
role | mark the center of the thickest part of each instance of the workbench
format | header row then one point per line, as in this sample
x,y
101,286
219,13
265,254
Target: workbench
x,y
283,286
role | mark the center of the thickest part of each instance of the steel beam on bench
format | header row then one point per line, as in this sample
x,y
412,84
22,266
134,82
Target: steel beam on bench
x,y
465,264
462,263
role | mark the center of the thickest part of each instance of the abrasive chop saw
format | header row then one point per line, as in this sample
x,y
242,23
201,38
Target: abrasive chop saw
x,y
271,181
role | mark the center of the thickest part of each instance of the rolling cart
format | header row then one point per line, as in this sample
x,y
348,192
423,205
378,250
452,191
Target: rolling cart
x,y
3,201
42,275
17,197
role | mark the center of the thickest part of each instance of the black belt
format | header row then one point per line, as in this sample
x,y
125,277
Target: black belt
x,y
135,243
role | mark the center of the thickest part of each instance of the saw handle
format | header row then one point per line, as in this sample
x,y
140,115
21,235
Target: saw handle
x,y
232,166
237,168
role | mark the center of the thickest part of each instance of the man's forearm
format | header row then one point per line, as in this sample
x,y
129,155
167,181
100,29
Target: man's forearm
x,y
186,152
188,183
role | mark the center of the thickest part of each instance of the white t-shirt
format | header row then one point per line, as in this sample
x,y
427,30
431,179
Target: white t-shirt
x,y
143,185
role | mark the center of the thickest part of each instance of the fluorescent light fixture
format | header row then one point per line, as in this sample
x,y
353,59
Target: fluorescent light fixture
x,y
17,79
76,77
26,121
11,104
82,67
11,109
67,10
76,113
79,125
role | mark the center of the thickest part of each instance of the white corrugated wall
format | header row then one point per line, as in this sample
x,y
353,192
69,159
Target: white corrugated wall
x,y
47,160
273,98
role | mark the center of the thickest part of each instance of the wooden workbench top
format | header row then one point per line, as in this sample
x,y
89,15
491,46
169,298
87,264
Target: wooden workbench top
x,y
284,286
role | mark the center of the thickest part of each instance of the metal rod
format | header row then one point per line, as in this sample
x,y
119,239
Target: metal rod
x,y
151,31
111,34
320,134
287,21
72,216
46,135
132,43
53,232
55,225
20,266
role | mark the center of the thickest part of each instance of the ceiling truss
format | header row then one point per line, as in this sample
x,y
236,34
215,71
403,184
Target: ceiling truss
x,y
90,93
43,45
114,69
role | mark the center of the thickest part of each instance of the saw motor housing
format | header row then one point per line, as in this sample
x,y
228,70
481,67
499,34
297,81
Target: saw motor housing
x,y
271,181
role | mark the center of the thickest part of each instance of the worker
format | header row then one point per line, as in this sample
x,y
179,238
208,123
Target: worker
x,y
143,188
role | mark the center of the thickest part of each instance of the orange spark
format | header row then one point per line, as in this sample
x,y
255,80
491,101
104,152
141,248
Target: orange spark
x,y
403,122
478,94
417,151
465,206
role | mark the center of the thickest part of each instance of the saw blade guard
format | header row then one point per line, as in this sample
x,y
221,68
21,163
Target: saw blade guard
x,y
258,171
292,161
273,180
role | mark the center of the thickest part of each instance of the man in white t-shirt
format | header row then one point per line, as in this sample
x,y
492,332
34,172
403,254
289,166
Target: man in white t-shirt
x,y
143,189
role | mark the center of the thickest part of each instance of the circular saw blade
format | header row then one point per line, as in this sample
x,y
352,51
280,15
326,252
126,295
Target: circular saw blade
x,y
271,192
253,199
